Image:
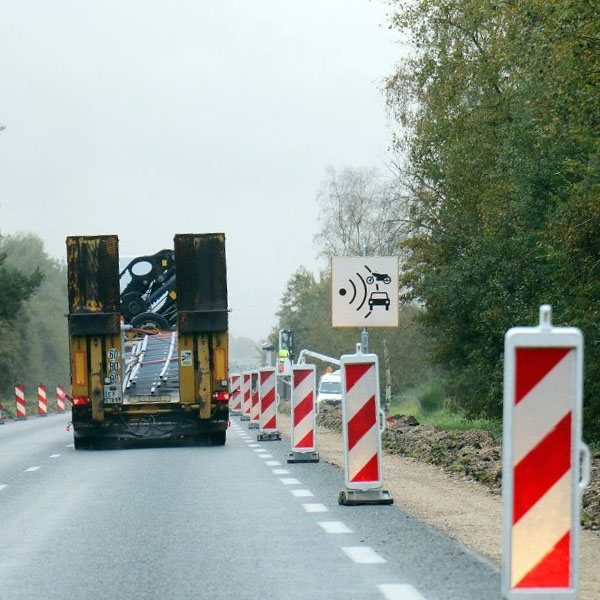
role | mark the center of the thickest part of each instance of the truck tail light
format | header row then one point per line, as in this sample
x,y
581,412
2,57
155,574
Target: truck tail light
x,y
222,396
80,400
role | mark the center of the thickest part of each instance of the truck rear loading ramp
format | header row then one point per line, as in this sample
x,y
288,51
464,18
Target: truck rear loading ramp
x,y
176,386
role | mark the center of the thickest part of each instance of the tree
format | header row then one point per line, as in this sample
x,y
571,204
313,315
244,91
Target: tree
x,y
34,327
357,210
499,110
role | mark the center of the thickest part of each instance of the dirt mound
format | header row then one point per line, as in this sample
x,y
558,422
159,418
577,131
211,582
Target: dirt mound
x,y
475,454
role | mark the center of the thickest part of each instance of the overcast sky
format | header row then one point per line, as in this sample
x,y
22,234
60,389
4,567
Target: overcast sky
x,y
149,118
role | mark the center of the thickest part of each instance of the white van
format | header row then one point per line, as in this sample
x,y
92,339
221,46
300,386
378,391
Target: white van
x,y
330,388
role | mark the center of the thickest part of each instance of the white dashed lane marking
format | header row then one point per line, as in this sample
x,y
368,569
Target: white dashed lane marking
x,y
31,469
2,486
399,591
289,481
272,463
335,527
302,493
265,455
70,446
363,555
253,446
280,472
55,455
315,508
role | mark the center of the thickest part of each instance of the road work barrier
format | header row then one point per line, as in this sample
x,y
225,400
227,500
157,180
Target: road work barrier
x,y
542,480
255,405
363,423
246,398
304,415
267,378
61,396
20,406
42,401
236,397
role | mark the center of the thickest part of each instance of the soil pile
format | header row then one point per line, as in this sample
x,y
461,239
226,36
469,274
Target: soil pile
x,y
473,454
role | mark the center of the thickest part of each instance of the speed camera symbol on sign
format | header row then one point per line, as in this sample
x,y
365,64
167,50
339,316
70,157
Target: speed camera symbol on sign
x,y
364,291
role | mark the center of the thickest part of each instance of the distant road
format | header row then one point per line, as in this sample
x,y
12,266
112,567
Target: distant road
x,y
231,522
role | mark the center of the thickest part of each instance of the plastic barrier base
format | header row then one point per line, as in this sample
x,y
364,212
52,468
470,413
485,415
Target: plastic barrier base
x,y
244,418
359,497
268,437
303,457
252,425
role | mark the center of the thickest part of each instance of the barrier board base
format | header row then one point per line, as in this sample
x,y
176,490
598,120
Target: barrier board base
x,y
20,418
301,457
270,436
252,425
244,418
358,497
234,412
43,415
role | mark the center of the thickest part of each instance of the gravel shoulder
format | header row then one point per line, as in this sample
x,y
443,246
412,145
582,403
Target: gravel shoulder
x,y
462,508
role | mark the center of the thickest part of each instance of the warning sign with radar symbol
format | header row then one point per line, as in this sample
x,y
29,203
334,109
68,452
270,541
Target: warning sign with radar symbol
x,y
364,291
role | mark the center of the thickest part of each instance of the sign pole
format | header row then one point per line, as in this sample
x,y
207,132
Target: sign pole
x,y
364,336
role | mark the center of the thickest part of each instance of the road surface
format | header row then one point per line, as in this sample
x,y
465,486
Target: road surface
x,y
207,522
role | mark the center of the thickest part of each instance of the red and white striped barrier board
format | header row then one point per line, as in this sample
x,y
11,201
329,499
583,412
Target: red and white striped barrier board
x,y
541,478
21,407
61,396
246,395
42,402
255,405
268,402
303,408
236,397
361,421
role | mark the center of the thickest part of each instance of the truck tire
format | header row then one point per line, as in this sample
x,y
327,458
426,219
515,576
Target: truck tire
x,y
82,443
150,320
218,438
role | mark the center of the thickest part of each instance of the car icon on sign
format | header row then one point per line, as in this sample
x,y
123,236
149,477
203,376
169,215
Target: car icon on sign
x,y
379,299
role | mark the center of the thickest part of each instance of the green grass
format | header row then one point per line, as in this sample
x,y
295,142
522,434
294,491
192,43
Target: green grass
x,y
426,404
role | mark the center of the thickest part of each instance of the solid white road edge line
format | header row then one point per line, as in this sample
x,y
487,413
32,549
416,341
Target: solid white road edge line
x,y
363,555
399,591
334,527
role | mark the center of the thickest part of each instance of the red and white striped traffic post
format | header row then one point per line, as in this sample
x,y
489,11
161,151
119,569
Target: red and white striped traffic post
x,y
246,398
255,405
21,407
304,415
542,481
42,402
61,395
267,379
363,423
236,398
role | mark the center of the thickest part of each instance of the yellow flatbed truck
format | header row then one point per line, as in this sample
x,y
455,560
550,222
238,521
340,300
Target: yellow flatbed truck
x,y
104,407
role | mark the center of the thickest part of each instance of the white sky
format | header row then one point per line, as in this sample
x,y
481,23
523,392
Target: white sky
x,y
147,118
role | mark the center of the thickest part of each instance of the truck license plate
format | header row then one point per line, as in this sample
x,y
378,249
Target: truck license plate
x,y
112,395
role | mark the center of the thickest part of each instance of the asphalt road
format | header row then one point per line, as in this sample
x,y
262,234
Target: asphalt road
x,y
207,522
